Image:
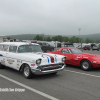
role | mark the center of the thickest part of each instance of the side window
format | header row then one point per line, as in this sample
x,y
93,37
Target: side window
x,y
65,51
47,44
12,48
5,47
21,49
1,47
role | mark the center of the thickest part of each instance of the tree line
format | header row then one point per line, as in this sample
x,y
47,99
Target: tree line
x,y
60,38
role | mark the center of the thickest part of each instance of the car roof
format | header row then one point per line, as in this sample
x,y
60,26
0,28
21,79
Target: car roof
x,y
18,43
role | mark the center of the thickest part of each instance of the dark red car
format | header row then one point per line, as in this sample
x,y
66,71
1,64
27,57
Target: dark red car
x,y
86,47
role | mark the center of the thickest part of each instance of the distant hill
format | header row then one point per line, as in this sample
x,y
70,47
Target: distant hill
x,y
31,36
91,36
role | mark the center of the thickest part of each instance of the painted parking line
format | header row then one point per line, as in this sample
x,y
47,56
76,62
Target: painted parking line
x,y
29,88
82,73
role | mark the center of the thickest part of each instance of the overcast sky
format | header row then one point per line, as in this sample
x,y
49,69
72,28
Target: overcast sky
x,y
51,17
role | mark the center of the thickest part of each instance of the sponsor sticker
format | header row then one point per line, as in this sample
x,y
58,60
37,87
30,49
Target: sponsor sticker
x,y
10,61
32,64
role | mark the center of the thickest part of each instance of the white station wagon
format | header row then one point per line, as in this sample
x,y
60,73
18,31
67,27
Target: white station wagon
x,y
29,58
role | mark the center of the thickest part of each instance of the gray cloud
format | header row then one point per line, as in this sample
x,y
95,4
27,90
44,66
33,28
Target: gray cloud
x,y
51,17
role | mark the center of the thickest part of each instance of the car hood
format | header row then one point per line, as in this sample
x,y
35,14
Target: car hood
x,y
40,55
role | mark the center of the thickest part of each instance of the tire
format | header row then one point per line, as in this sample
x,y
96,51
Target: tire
x,y
2,66
86,65
27,72
98,50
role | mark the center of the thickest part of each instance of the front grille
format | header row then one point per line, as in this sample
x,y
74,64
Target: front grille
x,y
44,68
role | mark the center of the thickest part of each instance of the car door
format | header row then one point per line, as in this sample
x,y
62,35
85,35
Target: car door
x,y
76,59
12,57
69,57
76,56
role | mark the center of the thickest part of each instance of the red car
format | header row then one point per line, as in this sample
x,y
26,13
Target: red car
x,y
86,47
76,57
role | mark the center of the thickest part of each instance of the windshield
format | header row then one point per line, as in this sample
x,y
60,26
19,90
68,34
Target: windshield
x,y
29,48
70,45
75,51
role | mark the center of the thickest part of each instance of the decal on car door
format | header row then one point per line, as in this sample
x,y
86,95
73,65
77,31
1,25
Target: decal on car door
x,y
18,63
3,61
68,59
10,61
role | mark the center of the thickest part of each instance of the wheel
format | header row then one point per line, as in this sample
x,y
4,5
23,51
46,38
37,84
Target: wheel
x,y
86,65
98,50
1,66
27,71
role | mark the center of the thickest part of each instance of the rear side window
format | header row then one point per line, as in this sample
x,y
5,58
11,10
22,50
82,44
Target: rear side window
x,y
5,47
1,47
12,48
47,44
65,51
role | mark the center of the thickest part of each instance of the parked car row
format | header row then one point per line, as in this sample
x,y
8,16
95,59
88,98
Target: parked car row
x,y
88,47
30,60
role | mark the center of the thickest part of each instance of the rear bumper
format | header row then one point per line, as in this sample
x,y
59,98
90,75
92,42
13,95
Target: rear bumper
x,y
40,71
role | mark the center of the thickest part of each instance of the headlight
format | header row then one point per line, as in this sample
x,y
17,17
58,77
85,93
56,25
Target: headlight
x,y
38,62
63,59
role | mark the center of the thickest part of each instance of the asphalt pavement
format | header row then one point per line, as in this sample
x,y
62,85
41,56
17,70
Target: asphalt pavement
x,y
70,84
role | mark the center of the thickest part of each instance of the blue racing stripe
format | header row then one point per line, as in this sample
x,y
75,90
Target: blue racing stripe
x,y
48,59
55,59
41,55
1,55
27,43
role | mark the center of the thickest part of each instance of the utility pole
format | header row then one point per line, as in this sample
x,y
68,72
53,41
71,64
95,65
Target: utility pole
x,y
79,39
79,33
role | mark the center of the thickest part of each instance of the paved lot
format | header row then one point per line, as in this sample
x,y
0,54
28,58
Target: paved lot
x,y
70,84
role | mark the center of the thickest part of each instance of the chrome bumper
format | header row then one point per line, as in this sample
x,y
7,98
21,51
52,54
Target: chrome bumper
x,y
41,71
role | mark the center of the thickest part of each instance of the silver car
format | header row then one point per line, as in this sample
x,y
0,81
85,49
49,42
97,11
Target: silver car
x,y
95,48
